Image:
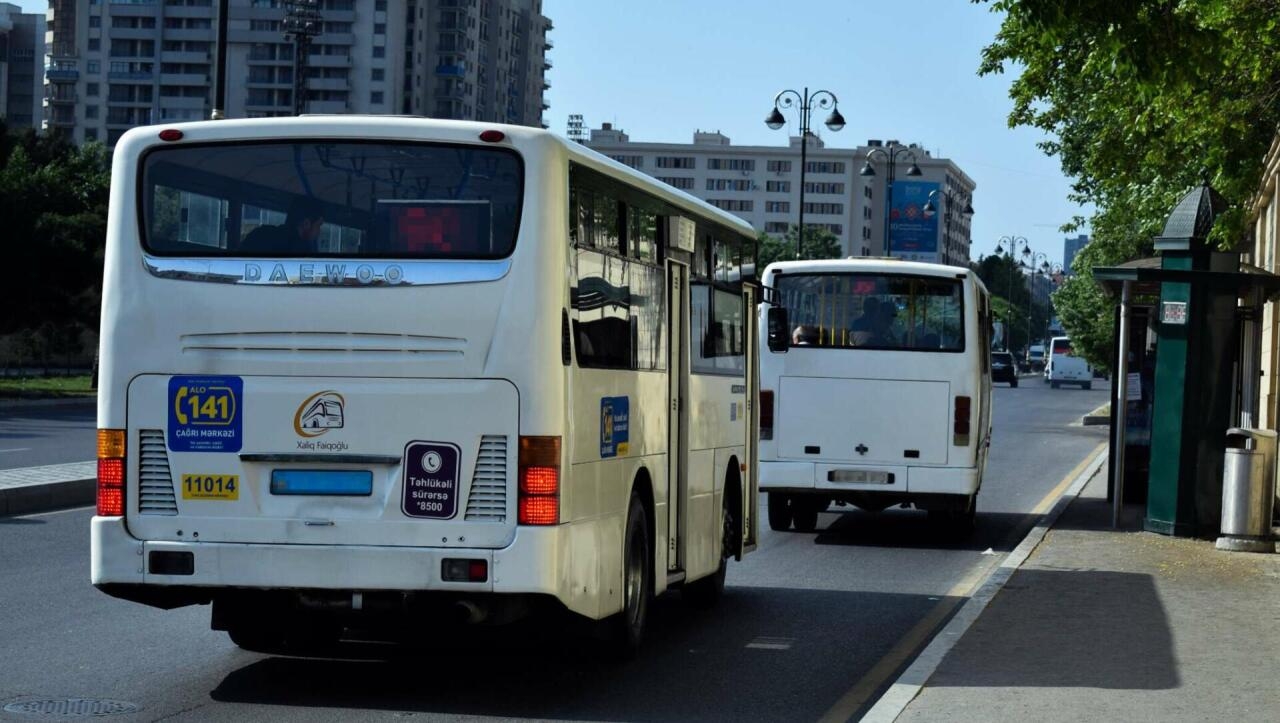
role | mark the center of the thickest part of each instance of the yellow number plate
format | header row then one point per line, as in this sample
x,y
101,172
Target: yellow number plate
x,y
210,486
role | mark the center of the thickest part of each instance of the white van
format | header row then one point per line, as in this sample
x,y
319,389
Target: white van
x,y
875,389
1065,367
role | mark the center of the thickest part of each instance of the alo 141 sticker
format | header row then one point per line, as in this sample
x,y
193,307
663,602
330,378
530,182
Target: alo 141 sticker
x,y
431,487
205,414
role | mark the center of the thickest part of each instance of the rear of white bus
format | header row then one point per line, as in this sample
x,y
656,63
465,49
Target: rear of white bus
x,y
877,392
352,422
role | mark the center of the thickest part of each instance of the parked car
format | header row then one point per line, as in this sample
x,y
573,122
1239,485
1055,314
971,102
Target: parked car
x,y
1004,368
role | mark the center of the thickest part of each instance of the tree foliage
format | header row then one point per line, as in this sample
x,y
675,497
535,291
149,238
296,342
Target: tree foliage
x,y
819,243
1007,281
53,202
1142,99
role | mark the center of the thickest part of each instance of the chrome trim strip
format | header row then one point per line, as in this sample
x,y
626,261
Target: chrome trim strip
x,y
326,272
322,458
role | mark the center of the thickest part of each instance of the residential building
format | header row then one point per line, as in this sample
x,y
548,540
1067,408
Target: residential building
x,y
115,65
761,184
482,60
1071,247
1264,254
21,62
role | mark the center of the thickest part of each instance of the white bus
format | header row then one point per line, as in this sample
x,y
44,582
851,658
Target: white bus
x,y
875,389
387,372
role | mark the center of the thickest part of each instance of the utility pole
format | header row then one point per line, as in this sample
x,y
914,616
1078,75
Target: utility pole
x,y
302,23
220,86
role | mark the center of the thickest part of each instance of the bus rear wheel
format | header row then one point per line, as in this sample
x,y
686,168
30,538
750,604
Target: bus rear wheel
x,y
779,512
626,629
805,511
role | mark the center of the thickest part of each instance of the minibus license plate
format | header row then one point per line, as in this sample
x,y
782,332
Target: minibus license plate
x,y
321,482
860,476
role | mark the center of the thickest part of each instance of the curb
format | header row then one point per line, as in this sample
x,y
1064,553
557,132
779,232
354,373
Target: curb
x,y
47,496
1094,419
11,402
912,680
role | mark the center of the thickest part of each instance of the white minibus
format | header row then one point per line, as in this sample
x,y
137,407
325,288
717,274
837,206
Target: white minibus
x,y
394,374
875,389
1065,367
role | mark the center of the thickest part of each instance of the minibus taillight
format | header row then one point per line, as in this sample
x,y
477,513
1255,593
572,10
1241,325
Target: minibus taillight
x,y
539,480
766,414
111,472
961,421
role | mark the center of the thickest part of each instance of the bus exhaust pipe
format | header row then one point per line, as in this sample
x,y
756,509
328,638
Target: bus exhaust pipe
x,y
470,613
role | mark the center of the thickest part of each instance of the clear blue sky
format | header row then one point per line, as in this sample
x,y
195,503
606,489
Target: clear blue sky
x,y
902,69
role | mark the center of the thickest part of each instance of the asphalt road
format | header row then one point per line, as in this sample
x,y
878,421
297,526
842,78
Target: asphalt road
x,y
33,435
810,621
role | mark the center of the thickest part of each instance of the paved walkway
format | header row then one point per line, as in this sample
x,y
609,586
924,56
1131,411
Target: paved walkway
x,y
34,489
1118,625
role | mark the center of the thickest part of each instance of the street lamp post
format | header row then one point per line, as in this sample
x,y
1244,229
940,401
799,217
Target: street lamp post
x,y
806,102
949,200
302,23
890,156
1036,260
1009,245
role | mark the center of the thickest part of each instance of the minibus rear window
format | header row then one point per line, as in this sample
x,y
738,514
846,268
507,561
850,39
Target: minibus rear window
x,y
874,311
331,199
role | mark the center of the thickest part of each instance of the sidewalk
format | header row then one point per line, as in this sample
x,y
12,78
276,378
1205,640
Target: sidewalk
x,y
1117,625
50,487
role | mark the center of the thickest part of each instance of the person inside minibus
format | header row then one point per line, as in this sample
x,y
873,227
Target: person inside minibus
x,y
297,236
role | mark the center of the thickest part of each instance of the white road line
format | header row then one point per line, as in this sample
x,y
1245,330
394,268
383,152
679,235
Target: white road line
x,y
766,643
16,449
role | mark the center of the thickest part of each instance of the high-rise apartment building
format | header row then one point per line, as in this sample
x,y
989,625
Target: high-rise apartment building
x,y
21,63
1070,247
761,184
115,65
477,59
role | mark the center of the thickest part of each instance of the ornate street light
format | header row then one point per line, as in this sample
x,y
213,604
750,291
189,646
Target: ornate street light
x,y
1035,260
806,102
302,23
891,157
949,201
1008,247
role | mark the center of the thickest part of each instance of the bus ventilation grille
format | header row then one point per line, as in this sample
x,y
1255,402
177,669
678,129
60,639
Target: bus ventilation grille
x,y
155,483
488,498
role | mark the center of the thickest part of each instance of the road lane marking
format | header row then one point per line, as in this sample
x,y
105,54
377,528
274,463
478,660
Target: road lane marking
x,y
16,449
858,696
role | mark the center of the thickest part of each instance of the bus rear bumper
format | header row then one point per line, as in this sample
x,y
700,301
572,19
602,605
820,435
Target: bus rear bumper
x,y
124,566
801,476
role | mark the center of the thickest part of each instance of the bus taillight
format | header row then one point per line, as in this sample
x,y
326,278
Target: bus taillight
x,y
111,455
962,417
766,414
539,480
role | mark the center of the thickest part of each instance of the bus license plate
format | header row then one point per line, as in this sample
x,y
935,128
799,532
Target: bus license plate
x,y
860,476
210,486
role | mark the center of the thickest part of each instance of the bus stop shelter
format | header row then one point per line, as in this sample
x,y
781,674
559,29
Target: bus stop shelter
x,y
1207,307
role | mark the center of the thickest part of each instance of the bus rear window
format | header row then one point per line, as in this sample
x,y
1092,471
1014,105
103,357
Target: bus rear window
x,y
873,311
321,198
1062,346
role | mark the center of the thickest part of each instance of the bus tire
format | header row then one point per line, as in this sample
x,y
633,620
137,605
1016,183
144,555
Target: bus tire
x,y
704,593
957,524
1054,385
257,639
779,512
1087,386
637,583
805,511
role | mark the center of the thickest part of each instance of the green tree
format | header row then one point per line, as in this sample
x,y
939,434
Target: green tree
x,y
819,243
1143,99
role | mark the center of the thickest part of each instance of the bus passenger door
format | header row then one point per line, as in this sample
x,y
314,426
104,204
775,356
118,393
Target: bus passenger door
x,y
677,410
749,480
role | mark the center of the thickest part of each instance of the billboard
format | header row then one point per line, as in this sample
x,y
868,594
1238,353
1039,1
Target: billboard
x,y
913,233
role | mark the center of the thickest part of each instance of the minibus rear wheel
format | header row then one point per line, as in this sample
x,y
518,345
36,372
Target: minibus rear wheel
x,y
779,512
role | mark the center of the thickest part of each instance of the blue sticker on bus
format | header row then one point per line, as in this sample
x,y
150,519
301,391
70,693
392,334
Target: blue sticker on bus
x,y
206,414
615,426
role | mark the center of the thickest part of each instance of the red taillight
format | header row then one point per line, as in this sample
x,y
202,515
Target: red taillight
x,y
170,134
766,414
111,453
961,419
492,136
539,481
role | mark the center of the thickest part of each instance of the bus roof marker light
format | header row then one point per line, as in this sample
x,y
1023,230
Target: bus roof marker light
x,y
171,134
492,136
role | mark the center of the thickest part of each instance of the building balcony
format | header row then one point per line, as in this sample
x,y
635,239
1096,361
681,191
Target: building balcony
x,y
61,99
451,71
329,61
548,45
62,75
61,121
185,79
201,34
138,75
180,56
328,106
135,33
328,84
335,39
